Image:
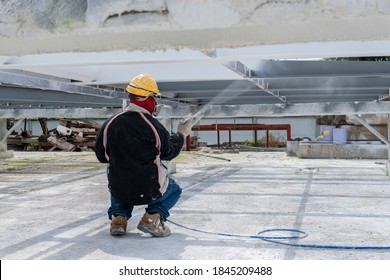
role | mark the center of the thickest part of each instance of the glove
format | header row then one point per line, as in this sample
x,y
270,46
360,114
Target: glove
x,y
185,125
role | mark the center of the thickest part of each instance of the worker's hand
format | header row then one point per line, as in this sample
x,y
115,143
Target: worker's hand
x,y
185,125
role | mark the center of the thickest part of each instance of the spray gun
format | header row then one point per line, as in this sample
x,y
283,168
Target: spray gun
x,y
186,124
192,119
196,117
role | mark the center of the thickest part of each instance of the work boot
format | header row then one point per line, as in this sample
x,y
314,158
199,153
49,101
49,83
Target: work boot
x,y
153,224
118,225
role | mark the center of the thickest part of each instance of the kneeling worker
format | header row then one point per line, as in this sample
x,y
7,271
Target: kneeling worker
x,y
133,143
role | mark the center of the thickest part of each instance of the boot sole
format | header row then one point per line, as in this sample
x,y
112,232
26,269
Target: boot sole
x,y
146,230
117,232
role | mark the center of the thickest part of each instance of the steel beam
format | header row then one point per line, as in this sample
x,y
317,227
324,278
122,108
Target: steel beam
x,y
241,69
18,97
281,110
71,113
217,111
357,48
46,84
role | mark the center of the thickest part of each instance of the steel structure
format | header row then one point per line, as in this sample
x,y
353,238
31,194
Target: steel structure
x,y
268,81
51,85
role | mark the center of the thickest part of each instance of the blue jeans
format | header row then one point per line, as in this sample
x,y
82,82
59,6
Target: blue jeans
x,y
161,205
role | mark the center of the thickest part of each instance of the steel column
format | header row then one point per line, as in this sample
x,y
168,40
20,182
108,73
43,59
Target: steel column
x,y
3,135
388,146
3,138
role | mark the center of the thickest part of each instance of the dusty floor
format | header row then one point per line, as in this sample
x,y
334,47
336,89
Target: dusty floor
x,y
53,206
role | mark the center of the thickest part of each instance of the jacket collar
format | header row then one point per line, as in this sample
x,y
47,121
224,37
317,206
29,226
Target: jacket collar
x,y
134,108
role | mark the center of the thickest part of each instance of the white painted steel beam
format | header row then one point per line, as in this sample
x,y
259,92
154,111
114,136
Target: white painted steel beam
x,y
46,84
241,69
102,58
216,111
282,110
308,50
71,113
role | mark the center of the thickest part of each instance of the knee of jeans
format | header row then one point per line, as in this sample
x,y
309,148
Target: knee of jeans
x,y
176,188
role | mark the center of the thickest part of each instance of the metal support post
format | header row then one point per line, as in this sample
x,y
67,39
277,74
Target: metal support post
x,y
388,146
267,133
254,121
4,133
218,139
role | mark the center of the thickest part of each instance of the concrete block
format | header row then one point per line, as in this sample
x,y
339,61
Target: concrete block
x,y
329,150
292,148
6,154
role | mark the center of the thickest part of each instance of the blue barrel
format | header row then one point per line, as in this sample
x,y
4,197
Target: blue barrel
x,y
327,132
339,136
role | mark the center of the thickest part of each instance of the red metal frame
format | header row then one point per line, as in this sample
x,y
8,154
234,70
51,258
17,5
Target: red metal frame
x,y
230,127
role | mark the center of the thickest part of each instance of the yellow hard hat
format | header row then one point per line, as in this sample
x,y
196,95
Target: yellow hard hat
x,y
143,85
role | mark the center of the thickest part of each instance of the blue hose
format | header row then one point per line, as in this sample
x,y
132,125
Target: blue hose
x,y
299,234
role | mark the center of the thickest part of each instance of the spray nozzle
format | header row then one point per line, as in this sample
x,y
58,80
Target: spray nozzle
x,y
186,119
191,119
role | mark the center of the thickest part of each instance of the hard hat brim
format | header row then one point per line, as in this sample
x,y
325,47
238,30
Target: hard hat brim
x,y
140,91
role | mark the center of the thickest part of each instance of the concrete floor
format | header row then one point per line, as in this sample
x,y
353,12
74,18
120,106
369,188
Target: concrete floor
x,y
53,206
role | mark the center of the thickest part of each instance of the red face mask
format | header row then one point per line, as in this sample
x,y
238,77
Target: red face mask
x,y
148,104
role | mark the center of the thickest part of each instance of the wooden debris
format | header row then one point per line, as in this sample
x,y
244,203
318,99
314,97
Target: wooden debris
x,y
68,135
75,133
61,143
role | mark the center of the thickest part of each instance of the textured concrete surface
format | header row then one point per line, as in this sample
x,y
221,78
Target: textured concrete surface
x,y
30,27
326,149
349,150
53,206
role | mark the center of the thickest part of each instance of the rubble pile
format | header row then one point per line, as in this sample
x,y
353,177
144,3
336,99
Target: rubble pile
x,y
70,134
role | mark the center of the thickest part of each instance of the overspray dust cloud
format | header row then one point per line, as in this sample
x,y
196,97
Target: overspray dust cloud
x,y
222,98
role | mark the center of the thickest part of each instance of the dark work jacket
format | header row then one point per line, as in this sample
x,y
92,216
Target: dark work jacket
x,y
133,161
